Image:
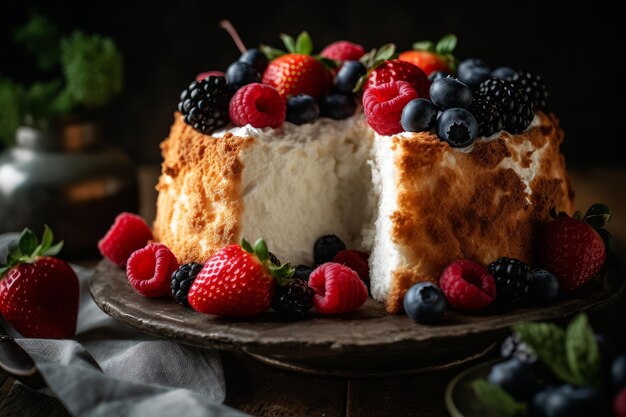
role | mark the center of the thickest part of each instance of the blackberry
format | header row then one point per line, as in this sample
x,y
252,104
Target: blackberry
x,y
513,347
514,105
182,279
512,279
293,300
204,104
487,116
533,86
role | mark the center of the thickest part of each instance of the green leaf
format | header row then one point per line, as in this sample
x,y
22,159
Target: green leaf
x,y
328,63
38,99
598,215
582,351
270,52
368,58
260,250
53,250
578,215
283,273
446,45
15,253
41,37
497,401
304,43
3,270
47,238
385,52
246,246
28,242
93,69
360,83
424,46
289,42
547,340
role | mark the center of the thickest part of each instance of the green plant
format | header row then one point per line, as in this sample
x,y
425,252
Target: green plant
x,y
83,72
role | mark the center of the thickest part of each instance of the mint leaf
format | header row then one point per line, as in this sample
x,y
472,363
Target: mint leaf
x,y
547,340
28,241
497,401
304,44
598,215
289,42
446,44
583,355
424,46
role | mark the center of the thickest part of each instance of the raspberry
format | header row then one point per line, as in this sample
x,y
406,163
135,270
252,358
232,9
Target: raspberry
x,y
383,105
149,270
357,261
396,70
467,285
338,289
343,51
258,105
128,233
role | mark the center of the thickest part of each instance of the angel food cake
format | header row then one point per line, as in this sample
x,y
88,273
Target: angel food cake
x,y
417,171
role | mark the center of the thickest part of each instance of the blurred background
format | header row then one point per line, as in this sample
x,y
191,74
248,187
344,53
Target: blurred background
x,y
576,48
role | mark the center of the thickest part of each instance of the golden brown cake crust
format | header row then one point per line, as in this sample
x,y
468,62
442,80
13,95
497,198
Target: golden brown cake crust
x,y
199,205
454,205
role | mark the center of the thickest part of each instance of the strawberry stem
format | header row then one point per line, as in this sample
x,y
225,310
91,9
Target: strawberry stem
x,y
228,27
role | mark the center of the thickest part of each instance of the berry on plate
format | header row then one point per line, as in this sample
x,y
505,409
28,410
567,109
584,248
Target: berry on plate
x,y
337,106
237,281
543,286
343,51
515,377
458,127
239,74
431,57
326,248
150,269
575,401
293,300
396,70
467,285
302,109
296,71
338,289
204,104
447,93
419,115
572,249
383,105
514,347
128,233
425,303
512,279
182,279
258,105
357,261
39,293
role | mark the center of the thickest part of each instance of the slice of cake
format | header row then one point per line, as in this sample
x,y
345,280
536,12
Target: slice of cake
x,y
417,181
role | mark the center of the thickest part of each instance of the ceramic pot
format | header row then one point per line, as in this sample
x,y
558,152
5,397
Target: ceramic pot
x,y
67,179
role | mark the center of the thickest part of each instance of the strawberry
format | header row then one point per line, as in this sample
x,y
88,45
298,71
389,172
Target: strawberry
x,y
239,280
39,293
343,51
396,70
296,71
430,57
572,249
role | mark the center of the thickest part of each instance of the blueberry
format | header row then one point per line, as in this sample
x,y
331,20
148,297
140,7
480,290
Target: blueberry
x,y
302,272
503,73
447,93
425,303
470,63
570,401
326,247
618,372
515,377
348,75
513,347
458,127
419,115
255,58
539,402
543,287
474,76
302,109
337,106
437,75
239,74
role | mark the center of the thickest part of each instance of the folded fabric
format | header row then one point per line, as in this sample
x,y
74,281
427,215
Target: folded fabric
x,y
111,369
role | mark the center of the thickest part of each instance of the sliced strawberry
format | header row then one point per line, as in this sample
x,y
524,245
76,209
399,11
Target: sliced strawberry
x,y
39,293
237,281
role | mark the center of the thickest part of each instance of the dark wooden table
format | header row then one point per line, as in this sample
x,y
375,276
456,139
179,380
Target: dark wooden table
x,y
262,390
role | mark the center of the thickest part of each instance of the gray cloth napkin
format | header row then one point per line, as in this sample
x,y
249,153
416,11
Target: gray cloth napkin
x,y
112,370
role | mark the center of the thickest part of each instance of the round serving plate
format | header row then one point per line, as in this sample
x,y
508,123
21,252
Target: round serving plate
x,y
367,343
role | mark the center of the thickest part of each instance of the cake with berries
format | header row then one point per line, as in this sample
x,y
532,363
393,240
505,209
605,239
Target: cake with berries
x,y
419,168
